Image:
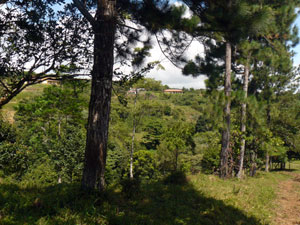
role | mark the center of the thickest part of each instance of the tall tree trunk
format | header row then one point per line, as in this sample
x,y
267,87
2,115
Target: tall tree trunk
x,y
99,107
226,118
253,163
243,119
267,162
133,136
268,122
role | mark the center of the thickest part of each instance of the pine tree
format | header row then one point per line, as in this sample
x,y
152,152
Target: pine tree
x,y
109,23
273,68
227,22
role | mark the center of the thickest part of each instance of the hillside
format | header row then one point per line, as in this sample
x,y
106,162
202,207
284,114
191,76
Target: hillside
x,y
8,110
173,142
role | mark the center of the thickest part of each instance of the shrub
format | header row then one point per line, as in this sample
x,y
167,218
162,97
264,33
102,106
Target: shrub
x,y
14,159
41,173
211,160
144,165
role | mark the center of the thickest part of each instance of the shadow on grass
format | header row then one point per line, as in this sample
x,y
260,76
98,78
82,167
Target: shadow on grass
x,y
284,170
155,204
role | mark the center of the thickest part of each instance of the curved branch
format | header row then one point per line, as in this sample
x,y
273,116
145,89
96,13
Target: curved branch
x,y
84,11
165,53
183,51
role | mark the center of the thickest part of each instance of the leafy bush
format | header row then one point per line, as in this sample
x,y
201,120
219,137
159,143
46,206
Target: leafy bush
x,y
145,165
116,162
211,151
7,132
211,160
67,153
14,159
42,173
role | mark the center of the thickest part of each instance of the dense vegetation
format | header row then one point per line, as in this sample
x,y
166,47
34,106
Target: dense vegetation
x,y
42,154
173,132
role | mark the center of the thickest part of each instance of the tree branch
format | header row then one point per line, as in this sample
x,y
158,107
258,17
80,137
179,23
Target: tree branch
x,y
4,86
271,44
84,12
163,52
123,25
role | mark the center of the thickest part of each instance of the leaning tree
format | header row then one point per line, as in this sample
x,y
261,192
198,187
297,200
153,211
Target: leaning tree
x,y
38,43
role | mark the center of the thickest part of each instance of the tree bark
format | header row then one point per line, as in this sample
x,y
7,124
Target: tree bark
x,y
253,164
267,162
99,107
243,119
226,117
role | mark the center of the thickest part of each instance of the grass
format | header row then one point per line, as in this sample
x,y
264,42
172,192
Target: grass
x,y
156,204
204,199
254,195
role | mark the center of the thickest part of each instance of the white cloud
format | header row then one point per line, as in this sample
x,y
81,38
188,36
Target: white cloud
x,y
172,76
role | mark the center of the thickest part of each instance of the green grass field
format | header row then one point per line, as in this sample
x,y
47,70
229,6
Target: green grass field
x,y
204,199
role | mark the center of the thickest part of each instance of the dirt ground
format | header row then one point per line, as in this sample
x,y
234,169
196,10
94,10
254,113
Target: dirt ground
x,y
288,210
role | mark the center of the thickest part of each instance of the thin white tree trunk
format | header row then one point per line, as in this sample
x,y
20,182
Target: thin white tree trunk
x,y
243,119
133,136
267,162
268,122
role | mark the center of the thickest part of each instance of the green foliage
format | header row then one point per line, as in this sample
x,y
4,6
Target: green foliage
x,y
150,84
145,165
54,105
49,126
154,130
130,187
15,159
7,132
116,163
176,140
41,173
211,152
67,153
202,124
